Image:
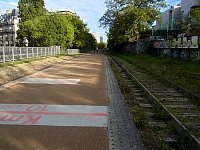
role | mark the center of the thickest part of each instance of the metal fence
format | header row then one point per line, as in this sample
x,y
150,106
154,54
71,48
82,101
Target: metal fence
x,y
18,53
73,51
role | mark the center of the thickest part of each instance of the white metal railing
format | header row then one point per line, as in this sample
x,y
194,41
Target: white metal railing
x,y
18,53
73,51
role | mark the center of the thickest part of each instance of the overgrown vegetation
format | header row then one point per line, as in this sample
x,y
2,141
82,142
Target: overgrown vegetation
x,y
152,138
185,74
160,113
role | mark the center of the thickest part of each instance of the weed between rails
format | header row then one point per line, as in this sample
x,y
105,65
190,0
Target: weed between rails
x,y
183,73
153,139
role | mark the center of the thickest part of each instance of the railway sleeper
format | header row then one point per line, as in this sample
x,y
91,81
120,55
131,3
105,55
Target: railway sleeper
x,y
177,124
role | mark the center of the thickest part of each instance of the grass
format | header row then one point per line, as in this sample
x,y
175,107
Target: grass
x,y
12,64
160,113
183,73
152,139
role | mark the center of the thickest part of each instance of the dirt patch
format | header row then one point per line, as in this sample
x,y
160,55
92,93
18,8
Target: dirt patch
x,y
11,73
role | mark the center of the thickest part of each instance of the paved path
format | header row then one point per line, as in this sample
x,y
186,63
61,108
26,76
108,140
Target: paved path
x,y
62,107
66,107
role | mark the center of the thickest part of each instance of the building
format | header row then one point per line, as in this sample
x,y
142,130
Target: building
x,y
186,6
65,12
8,27
101,39
171,20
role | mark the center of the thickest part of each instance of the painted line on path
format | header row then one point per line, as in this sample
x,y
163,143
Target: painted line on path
x,y
53,115
50,81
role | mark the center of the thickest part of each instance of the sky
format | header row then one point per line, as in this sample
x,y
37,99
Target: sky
x,y
90,11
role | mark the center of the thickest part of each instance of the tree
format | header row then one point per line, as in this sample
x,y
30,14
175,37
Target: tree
x,y
29,9
191,26
126,19
47,30
42,28
90,42
101,45
80,32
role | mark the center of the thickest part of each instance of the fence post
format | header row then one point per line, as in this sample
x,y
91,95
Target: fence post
x,y
37,51
32,53
59,50
41,51
4,58
20,53
27,52
51,51
45,52
13,54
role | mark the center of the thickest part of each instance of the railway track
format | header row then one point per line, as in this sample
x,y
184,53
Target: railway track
x,y
170,113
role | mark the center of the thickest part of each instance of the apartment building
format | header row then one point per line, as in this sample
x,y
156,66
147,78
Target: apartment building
x,y
8,27
172,18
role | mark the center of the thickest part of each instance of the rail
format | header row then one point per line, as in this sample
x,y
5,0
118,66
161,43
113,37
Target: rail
x,y
154,95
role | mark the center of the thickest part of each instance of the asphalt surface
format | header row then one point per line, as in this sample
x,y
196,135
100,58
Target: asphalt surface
x,y
89,91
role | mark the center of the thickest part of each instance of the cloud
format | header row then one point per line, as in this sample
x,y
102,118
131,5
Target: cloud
x,y
90,11
14,4
7,5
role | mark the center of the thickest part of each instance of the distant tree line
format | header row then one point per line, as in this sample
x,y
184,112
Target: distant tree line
x,y
101,45
43,28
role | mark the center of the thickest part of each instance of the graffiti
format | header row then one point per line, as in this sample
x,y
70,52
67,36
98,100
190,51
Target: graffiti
x,y
196,55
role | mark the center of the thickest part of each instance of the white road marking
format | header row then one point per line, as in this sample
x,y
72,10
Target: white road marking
x,y
50,81
53,115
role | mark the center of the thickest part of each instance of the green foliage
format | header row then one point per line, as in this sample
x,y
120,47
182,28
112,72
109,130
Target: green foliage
x,y
29,9
90,42
42,28
126,19
160,113
185,74
140,119
47,30
192,23
101,45
80,32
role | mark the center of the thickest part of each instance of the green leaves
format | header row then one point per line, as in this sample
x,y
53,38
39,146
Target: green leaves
x,y
43,28
29,9
126,19
192,23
